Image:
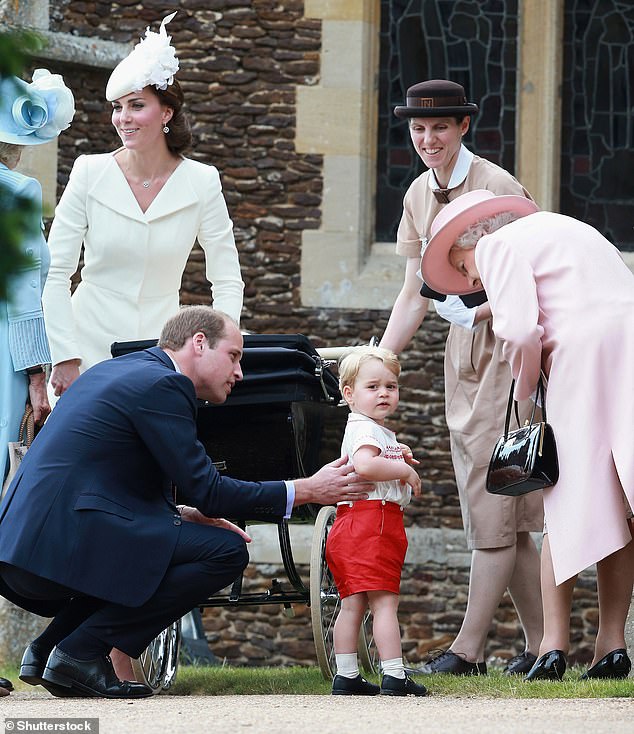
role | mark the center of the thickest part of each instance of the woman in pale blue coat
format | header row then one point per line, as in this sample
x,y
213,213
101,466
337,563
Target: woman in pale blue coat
x,y
23,344
30,114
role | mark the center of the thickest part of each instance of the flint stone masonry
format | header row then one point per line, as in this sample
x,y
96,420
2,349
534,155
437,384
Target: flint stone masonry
x,y
243,63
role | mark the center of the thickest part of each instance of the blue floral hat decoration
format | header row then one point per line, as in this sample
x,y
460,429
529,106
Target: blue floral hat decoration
x,y
35,113
152,61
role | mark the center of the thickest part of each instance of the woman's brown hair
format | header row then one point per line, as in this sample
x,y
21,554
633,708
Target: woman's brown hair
x,y
179,137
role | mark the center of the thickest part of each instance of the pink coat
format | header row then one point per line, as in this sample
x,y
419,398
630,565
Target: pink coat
x,y
563,300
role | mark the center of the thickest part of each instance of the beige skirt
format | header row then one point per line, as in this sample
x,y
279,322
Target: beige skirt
x,y
477,383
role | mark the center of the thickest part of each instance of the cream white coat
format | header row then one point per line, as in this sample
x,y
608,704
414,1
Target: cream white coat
x,y
133,260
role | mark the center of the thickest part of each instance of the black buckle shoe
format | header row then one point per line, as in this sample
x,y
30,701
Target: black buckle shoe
x,y
520,664
359,686
615,664
89,678
550,666
391,686
449,662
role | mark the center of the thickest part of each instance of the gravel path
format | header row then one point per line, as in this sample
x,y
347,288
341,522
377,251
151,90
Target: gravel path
x,y
330,715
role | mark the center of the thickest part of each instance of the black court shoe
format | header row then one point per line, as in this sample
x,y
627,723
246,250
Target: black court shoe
x,y
615,664
550,666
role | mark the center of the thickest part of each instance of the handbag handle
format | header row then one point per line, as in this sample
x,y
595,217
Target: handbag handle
x,y
539,396
27,426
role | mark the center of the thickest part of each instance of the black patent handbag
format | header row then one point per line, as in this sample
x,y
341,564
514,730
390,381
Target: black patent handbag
x,y
526,459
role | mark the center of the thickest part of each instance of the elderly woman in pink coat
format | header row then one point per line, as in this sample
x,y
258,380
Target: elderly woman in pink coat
x,y
562,301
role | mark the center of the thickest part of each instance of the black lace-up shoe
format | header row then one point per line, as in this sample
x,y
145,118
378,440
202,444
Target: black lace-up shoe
x,y
358,686
391,686
449,662
520,664
89,678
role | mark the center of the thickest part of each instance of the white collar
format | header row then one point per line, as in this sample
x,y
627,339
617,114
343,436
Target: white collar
x,y
175,363
460,170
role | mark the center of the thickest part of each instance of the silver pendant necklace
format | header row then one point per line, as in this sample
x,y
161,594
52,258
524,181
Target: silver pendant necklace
x,y
146,184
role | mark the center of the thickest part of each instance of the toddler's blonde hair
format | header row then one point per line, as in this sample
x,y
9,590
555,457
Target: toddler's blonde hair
x,y
350,364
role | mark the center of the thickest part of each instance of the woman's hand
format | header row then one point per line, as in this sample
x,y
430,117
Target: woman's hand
x,y
38,397
64,374
191,514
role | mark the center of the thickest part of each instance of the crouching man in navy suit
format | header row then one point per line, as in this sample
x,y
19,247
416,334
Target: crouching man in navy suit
x,y
89,531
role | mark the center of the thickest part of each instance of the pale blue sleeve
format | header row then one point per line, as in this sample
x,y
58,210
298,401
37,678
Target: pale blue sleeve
x,y
28,344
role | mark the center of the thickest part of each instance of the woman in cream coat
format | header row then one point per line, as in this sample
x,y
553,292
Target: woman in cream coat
x,y
137,213
563,302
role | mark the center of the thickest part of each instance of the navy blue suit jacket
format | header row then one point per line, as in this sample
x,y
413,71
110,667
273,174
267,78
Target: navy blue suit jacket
x,y
91,506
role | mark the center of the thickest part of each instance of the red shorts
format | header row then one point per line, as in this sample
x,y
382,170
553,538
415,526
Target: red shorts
x,y
366,547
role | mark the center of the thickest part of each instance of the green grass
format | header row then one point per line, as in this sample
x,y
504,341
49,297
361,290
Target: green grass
x,y
230,681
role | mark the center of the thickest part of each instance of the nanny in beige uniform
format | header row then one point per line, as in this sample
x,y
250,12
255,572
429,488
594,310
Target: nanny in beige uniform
x,y
477,383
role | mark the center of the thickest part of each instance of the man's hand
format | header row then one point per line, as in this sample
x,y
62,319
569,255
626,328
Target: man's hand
x,y
191,514
334,482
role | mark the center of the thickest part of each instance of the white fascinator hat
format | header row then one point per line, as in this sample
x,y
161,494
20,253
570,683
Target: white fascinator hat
x,y
152,61
35,113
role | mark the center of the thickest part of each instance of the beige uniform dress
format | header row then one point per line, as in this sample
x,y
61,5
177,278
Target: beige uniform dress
x,y
477,379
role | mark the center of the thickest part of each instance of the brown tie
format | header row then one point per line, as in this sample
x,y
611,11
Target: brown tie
x,y
442,195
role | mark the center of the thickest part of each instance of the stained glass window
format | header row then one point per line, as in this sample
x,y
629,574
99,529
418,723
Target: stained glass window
x,y
597,185
472,42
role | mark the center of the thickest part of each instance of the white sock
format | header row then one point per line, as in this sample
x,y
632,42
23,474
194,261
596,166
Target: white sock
x,y
347,664
393,667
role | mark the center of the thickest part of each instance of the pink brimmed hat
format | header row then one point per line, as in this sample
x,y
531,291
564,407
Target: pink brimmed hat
x,y
452,220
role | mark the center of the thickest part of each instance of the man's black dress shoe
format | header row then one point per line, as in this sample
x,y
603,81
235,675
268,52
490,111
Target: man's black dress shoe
x,y
391,686
520,664
550,666
90,678
32,669
33,664
6,684
449,662
615,664
359,686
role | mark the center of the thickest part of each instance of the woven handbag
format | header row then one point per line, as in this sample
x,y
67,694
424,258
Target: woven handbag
x,y
526,459
18,449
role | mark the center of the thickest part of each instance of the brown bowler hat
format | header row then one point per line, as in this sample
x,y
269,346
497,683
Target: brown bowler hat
x,y
436,98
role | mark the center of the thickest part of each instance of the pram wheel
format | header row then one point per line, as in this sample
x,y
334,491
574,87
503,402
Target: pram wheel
x,y
324,597
158,663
